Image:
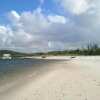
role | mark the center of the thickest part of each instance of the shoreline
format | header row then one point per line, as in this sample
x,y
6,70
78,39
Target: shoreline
x,y
75,79
34,70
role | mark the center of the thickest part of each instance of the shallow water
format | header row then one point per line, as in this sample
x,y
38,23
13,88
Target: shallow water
x,y
7,66
13,69
13,65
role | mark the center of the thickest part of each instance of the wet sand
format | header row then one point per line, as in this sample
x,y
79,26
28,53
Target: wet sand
x,y
63,79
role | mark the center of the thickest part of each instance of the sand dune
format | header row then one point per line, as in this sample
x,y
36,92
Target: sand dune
x,y
69,79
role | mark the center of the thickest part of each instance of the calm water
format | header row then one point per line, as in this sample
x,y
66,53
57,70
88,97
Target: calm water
x,y
9,66
16,69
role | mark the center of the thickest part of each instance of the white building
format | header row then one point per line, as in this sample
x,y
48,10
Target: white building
x,y
6,56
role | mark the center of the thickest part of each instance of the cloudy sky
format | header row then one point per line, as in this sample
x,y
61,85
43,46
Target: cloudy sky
x,y
42,25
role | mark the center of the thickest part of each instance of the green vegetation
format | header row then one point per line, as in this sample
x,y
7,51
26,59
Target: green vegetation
x,y
13,53
91,49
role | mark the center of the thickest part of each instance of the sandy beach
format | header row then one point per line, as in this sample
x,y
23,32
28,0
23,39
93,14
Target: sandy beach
x,y
61,78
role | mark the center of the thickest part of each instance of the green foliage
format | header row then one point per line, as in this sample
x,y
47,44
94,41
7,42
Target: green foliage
x,y
91,49
13,53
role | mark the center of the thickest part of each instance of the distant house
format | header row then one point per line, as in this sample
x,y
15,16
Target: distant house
x,y
6,56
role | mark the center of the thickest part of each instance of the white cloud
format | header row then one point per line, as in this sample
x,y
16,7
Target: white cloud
x,y
5,35
14,16
57,19
29,29
34,21
56,45
36,31
2,30
76,6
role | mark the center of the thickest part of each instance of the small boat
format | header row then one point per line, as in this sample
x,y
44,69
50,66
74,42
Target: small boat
x,y
6,56
43,56
73,57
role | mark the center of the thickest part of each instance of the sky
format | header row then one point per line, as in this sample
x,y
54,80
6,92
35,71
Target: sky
x,y
45,25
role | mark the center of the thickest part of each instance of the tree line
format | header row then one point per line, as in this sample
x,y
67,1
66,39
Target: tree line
x,y
90,49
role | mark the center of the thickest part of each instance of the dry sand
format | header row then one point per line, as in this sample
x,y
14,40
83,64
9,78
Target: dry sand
x,y
69,79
